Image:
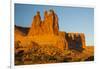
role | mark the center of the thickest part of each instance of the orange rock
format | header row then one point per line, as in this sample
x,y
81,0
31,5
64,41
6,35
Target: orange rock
x,y
47,32
36,25
48,26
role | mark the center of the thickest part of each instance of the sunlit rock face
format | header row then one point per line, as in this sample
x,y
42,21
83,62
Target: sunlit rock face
x,y
36,25
46,32
47,26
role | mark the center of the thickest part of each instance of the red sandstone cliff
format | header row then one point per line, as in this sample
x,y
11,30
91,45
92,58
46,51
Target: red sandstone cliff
x,y
46,32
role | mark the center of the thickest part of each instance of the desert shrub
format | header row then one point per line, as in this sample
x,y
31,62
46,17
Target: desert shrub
x,y
40,54
47,54
91,58
19,57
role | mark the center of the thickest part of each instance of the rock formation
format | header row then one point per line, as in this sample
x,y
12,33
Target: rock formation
x,y
46,32
36,25
75,40
48,26
44,43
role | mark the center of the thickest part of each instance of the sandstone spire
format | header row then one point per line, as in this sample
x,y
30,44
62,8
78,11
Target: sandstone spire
x,y
36,25
48,26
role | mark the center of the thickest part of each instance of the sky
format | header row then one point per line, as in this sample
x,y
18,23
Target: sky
x,y
71,19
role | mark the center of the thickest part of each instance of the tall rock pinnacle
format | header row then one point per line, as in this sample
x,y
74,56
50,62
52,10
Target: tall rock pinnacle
x,y
48,26
44,29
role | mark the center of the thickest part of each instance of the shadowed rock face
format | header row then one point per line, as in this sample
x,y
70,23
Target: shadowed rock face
x,y
75,40
47,32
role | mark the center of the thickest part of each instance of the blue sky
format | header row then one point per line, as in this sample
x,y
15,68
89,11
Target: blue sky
x,y
71,19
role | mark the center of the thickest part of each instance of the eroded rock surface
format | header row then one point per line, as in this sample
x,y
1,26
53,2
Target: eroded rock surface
x,y
46,32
